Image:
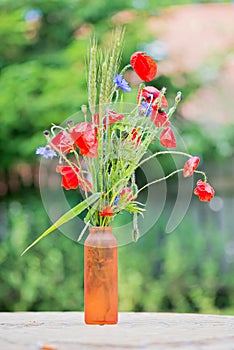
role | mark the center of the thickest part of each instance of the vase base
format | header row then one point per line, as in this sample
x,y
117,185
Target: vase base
x,y
100,323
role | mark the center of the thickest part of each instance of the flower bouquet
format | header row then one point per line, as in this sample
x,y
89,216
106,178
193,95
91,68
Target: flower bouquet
x,y
100,156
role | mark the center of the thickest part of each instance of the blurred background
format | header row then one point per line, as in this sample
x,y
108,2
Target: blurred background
x,y
42,63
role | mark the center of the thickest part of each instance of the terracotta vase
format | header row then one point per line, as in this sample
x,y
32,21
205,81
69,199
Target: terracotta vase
x,y
101,277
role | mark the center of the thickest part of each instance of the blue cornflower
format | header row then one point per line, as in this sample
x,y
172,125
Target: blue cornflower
x,y
121,83
116,201
33,15
146,108
46,152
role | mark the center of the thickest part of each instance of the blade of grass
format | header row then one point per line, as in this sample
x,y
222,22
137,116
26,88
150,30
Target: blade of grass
x,y
66,217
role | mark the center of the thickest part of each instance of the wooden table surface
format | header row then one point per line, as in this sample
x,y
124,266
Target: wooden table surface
x,y
158,331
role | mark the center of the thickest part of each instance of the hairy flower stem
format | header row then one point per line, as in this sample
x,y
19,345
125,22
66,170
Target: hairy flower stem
x,y
125,68
164,152
173,108
159,180
203,173
133,168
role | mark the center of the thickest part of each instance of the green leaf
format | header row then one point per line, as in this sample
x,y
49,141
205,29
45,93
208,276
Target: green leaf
x,y
66,217
131,207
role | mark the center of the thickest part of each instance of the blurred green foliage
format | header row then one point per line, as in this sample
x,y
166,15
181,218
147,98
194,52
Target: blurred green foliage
x,y
43,48
30,283
43,78
158,273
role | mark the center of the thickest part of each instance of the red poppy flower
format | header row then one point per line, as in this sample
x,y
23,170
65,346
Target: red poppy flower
x,y
167,138
84,137
69,176
127,192
150,94
63,142
107,211
135,136
204,191
159,118
112,117
190,166
144,66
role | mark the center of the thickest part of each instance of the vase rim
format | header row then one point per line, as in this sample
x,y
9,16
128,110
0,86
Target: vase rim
x,y
95,229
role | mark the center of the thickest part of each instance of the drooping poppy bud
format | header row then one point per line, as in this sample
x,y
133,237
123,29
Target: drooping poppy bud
x,y
204,191
190,166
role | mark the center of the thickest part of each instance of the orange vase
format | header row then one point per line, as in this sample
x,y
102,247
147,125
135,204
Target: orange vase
x,y
101,277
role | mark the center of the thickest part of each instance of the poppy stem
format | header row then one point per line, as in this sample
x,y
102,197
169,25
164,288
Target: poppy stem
x,y
125,68
164,152
173,108
201,172
159,180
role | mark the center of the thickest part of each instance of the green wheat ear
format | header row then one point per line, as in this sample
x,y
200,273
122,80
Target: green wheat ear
x,y
115,55
92,77
102,69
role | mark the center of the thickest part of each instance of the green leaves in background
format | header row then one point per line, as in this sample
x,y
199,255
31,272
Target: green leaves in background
x,y
158,273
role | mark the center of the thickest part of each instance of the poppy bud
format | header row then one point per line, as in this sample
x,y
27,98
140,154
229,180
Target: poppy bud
x,y
178,97
70,123
84,109
47,135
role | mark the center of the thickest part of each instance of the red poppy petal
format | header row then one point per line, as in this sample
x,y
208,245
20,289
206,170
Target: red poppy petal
x,y
88,149
112,117
144,66
160,119
69,177
150,94
63,142
72,181
167,138
134,57
84,135
64,183
107,211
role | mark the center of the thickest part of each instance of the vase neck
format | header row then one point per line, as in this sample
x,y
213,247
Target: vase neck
x,y
100,229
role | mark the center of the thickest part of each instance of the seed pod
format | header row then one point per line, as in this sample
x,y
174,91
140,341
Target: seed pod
x,y
134,190
135,231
